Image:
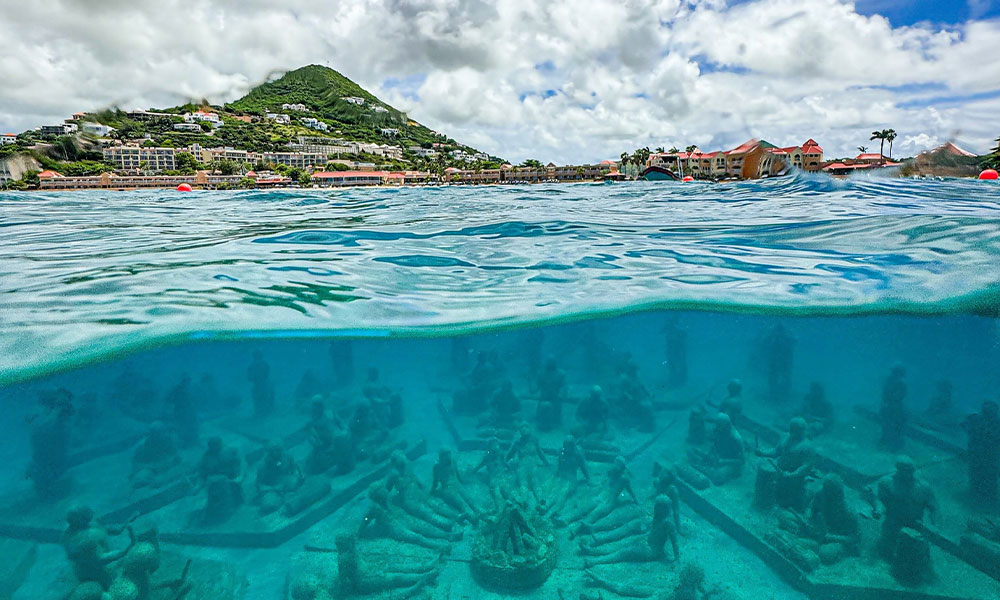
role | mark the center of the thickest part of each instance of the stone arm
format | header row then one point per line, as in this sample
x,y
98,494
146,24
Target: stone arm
x,y
582,460
626,486
456,473
675,501
538,451
116,555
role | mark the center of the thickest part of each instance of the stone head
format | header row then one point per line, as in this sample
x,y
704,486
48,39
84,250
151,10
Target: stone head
x,y
735,387
79,516
797,428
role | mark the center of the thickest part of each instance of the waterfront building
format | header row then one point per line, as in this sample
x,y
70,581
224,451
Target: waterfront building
x,y
134,158
122,182
299,160
349,178
7,138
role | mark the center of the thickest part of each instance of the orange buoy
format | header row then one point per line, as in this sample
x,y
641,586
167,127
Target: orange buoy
x,y
185,187
688,178
990,174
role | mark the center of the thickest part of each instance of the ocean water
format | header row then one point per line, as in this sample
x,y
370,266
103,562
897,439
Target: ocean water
x,y
334,343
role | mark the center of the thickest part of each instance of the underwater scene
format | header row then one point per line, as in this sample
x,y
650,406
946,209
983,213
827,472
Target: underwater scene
x,y
778,389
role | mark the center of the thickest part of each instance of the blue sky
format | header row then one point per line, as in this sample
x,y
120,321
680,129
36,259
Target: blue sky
x,y
563,80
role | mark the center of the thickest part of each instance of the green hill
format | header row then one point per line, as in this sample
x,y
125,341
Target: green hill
x,y
323,91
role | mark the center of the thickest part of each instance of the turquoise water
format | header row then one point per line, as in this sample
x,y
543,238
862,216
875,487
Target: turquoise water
x,y
218,314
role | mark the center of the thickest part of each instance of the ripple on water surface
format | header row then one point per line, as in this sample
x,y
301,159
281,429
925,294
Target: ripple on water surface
x,y
88,273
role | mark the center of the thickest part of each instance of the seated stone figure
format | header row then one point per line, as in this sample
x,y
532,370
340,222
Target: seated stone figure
x,y
448,486
220,473
592,414
616,492
786,475
88,547
648,548
277,477
505,407
690,586
137,567
571,475
154,457
407,493
832,523
665,484
50,444
732,404
817,410
332,445
551,395
386,521
724,459
480,385
354,579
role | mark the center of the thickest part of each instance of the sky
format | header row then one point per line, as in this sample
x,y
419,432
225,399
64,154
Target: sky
x,y
569,81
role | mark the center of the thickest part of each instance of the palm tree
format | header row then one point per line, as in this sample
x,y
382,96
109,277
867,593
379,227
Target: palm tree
x,y
691,148
890,135
862,149
674,150
881,136
660,150
625,158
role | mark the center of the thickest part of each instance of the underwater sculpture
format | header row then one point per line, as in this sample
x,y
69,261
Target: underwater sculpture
x,y
135,582
732,404
940,412
905,499
724,459
407,493
383,520
308,388
261,387
220,475
634,403
523,456
690,586
697,431
665,484
88,547
386,405
341,354
447,485
637,547
592,415
505,407
494,468
892,412
982,539
983,429
829,530
551,385
278,477
514,550
783,481
50,440
133,394
567,483
675,338
480,386
331,443
817,410
154,457
779,346
183,411
354,578
617,491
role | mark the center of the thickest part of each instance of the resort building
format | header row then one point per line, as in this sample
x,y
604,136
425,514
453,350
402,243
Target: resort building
x,y
203,117
187,127
422,152
345,178
294,107
299,160
278,118
380,109
208,155
61,129
135,158
354,100
316,124
812,155
111,181
389,131
7,138
751,159
96,129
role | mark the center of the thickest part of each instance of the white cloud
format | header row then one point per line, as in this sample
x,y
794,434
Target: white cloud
x,y
562,80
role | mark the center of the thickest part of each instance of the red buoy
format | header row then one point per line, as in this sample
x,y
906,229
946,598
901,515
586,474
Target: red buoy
x,y
990,174
185,187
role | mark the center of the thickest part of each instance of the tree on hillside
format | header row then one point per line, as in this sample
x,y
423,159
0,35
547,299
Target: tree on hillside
x,y
992,160
890,134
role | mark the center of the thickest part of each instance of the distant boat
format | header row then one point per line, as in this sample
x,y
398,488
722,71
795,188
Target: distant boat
x,y
658,173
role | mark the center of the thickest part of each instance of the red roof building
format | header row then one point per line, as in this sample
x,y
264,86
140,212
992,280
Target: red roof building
x,y
47,174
